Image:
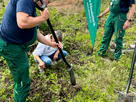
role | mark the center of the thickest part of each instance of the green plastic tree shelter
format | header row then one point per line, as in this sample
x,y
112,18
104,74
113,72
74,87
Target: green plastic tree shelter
x,y
92,10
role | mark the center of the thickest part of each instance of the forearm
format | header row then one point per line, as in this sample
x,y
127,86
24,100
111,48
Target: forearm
x,y
42,39
38,58
131,12
57,52
106,11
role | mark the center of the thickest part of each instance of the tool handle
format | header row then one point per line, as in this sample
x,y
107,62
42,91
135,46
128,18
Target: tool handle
x,y
52,30
56,40
40,7
131,71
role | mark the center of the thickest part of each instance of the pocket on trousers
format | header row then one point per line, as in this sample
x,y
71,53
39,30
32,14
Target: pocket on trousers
x,y
3,50
122,17
16,51
25,47
120,33
6,54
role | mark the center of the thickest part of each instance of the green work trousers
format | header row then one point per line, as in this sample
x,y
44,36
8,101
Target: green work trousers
x,y
115,24
16,57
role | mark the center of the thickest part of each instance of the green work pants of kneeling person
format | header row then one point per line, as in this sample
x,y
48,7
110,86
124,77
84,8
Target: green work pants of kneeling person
x,y
16,57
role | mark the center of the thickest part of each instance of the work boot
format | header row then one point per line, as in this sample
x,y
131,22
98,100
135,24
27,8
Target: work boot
x,y
117,55
116,58
53,63
102,54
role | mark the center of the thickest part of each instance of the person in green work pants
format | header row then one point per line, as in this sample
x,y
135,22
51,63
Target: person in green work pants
x,y
19,30
117,22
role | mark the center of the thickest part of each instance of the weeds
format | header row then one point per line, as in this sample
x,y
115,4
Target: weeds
x,y
98,79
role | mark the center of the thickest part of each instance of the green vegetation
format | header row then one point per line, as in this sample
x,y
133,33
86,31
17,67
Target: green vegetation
x,y
98,79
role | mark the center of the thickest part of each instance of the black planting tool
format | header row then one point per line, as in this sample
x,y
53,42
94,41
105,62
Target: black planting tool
x,y
123,97
70,70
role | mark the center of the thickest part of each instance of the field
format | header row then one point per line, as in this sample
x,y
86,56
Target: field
x,y
97,79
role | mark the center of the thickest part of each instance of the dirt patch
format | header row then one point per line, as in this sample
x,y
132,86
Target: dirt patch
x,y
66,2
74,5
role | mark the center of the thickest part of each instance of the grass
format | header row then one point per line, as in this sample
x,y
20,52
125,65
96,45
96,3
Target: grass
x,y
98,79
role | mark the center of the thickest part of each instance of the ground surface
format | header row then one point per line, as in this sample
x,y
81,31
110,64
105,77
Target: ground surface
x,y
92,73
